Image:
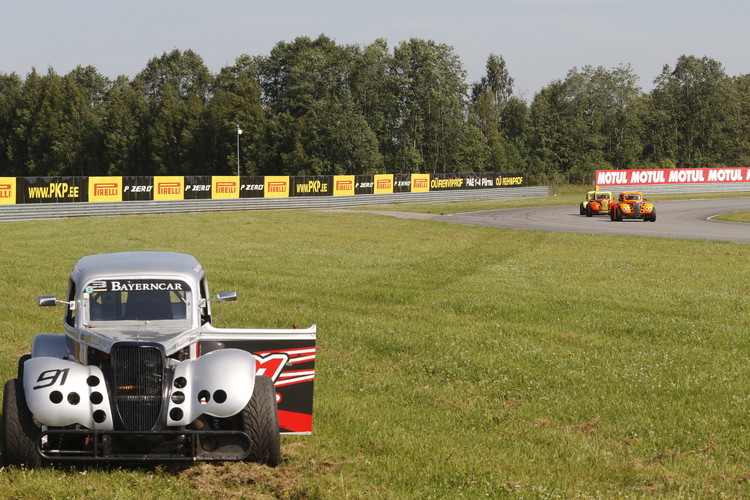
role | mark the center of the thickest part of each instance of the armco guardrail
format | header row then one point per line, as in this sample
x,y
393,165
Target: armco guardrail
x,y
93,209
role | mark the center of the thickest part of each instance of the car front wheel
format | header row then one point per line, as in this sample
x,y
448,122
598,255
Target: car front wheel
x,y
19,431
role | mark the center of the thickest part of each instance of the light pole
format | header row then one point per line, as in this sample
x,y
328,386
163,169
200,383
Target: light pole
x,y
239,132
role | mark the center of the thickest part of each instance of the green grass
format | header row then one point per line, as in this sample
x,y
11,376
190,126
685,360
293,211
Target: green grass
x,y
735,217
453,360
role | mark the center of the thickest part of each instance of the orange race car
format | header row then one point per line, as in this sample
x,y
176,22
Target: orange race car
x,y
632,205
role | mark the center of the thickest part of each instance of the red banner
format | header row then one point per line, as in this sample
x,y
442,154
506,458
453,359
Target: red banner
x,y
671,176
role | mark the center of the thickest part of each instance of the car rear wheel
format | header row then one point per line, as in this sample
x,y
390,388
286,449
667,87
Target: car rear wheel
x,y
19,431
260,420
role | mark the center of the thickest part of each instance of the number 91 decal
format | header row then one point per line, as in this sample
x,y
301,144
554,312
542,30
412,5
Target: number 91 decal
x,y
50,377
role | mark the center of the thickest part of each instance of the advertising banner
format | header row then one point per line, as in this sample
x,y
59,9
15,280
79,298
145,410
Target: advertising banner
x,y
225,187
447,182
364,184
312,185
513,179
251,186
204,187
383,184
197,187
420,183
480,180
105,189
343,185
7,190
401,183
51,189
137,188
276,186
169,188
671,176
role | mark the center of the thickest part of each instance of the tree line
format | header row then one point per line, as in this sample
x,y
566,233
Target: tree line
x,y
313,107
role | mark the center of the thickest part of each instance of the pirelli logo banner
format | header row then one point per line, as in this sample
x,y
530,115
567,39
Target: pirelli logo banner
x,y
277,187
7,190
169,188
18,190
225,187
343,185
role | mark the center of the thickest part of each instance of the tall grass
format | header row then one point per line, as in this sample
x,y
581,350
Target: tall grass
x,y
452,361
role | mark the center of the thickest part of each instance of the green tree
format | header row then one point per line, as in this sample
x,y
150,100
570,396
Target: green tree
x,y
316,124
125,130
499,115
431,97
589,121
340,141
373,91
184,72
738,128
176,87
690,109
11,89
236,102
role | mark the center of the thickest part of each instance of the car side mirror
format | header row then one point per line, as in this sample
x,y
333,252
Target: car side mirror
x,y
47,300
226,297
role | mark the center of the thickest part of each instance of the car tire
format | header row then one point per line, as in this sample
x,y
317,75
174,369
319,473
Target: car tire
x,y
260,420
589,213
581,210
19,431
653,216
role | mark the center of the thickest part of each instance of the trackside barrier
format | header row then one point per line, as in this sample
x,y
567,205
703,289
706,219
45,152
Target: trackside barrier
x,y
26,190
91,209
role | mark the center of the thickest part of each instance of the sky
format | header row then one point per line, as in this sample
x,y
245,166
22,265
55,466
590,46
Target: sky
x,y
540,40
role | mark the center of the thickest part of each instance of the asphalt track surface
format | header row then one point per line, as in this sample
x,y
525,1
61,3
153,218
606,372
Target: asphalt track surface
x,y
674,219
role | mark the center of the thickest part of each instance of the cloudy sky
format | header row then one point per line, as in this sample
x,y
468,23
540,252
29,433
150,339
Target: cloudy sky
x,y
540,40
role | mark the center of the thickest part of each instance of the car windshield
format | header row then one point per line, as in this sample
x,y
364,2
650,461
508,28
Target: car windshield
x,y
632,197
603,196
137,300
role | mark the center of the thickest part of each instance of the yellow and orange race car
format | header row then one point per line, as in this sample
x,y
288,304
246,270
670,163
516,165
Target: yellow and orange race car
x,y
596,202
632,205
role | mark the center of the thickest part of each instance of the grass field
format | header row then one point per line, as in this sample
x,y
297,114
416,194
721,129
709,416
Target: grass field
x,y
453,361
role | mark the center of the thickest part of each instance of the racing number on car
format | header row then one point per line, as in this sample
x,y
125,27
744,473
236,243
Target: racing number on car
x,y
50,378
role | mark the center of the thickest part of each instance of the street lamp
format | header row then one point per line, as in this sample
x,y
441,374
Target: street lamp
x,y
239,132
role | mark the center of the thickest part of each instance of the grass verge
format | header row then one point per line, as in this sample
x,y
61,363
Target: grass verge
x,y
453,360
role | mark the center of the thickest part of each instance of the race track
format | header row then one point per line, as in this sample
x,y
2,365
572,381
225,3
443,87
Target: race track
x,y
675,219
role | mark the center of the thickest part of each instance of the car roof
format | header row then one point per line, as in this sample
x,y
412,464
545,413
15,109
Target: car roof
x,y
137,264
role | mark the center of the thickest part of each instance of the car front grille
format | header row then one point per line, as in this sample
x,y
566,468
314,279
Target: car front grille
x,y
138,378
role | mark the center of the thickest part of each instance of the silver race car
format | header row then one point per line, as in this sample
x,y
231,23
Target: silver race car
x,y
140,374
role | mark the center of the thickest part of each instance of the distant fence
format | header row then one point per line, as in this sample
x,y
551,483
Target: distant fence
x,y
35,190
675,180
